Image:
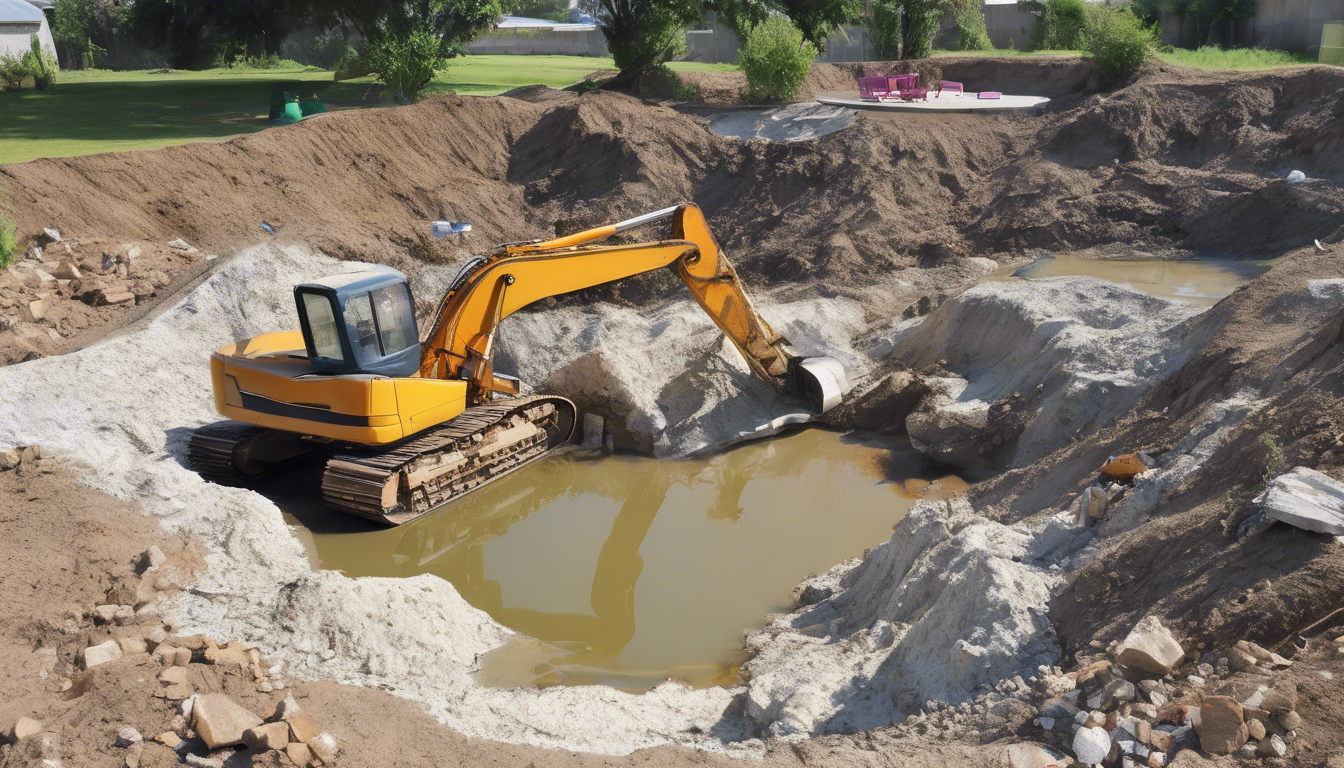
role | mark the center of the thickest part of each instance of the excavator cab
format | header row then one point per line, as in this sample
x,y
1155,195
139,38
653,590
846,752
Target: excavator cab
x,y
362,322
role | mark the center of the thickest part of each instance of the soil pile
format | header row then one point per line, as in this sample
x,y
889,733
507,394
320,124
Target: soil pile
x,y
1177,159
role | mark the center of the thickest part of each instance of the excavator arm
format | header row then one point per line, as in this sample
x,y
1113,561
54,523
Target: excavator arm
x,y
460,343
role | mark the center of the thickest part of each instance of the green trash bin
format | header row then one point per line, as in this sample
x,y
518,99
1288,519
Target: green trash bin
x,y
292,114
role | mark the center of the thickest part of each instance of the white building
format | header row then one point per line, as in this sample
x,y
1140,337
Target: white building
x,y
19,21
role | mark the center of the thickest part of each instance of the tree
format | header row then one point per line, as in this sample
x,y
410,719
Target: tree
x,y
408,41
818,20
193,34
82,28
905,29
643,35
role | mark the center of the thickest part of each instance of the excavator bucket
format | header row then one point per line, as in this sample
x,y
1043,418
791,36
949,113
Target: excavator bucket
x,y
819,380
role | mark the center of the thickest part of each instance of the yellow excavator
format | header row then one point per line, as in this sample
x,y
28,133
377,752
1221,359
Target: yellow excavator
x,y
410,424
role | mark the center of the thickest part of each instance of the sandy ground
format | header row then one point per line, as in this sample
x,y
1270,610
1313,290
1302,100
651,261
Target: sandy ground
x,y
882,217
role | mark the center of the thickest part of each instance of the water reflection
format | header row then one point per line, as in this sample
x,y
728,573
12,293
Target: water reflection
x,y
632,570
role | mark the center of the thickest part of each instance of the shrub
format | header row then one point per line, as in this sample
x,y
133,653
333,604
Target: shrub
x,y
40,64
406,63
1117,42
1064,22
9,241
972,34
13,70
775,58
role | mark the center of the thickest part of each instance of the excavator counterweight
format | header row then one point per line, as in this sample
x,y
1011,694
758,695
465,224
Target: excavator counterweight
x,y
411,424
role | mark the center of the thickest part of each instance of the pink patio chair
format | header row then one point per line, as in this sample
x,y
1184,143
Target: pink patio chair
x,y
903,82
873,88
951,87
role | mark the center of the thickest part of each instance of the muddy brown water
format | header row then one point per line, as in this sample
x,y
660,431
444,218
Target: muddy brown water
x,y
1201,282
628,571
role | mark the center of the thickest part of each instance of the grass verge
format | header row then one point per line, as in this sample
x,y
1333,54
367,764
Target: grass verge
x,y
92,111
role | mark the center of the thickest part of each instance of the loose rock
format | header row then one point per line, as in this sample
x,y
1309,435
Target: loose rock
x,y
1221,728
23,728
128,736
1274,746
219,721
287,708
299,754
268,736
1150,647
101,654
323,746
1290,720
1091,745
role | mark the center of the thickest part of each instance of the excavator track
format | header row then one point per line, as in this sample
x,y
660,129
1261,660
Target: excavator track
x,y
399,483
238,454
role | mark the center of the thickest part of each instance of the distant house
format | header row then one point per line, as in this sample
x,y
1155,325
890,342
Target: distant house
x,y
19,21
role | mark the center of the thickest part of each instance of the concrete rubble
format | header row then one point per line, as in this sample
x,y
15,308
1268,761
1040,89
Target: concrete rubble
x,y
1307,499
1131,708
1056,358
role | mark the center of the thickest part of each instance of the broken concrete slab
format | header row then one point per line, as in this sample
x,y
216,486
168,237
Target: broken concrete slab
x,y
101,654
268,736
1149,646
1306,499
220,721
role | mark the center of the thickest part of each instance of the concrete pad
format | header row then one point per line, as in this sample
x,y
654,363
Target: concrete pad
x,y
965,103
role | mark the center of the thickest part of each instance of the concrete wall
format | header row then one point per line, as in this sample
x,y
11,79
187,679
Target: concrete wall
x,y
1009,26
14,37
542,42
1286,25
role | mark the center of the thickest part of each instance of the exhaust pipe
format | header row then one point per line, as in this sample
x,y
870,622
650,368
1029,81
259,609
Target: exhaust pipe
x,y
821,381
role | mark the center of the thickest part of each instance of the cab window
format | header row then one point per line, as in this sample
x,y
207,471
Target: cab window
x,y
322,323
396,317
363,329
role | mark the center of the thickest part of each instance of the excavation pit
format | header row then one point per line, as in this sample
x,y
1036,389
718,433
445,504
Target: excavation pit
x,y
628,571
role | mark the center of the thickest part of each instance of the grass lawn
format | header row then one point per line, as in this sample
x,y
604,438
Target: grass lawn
x,y
1210,57
101,111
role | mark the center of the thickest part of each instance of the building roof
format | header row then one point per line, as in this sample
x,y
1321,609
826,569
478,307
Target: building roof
x,y
19,12
520,22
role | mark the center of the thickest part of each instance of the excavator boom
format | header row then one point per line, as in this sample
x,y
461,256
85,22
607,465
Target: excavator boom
x,y
460,342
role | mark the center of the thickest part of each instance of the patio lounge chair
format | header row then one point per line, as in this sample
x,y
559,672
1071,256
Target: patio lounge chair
x,y
873,88
950,88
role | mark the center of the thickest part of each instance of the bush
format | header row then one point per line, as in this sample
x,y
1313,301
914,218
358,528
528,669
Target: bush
x,y
9,241
406,63
41,65
13,71
775,58
1064,22
1117,42
972,34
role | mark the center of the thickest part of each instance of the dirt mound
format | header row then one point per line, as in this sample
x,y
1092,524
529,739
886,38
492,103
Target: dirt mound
x,y
852,209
